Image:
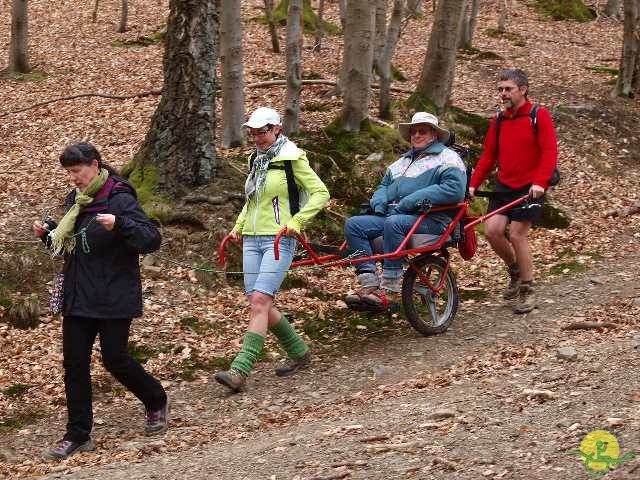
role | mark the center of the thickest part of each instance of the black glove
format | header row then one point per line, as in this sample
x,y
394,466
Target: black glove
x,y
424,206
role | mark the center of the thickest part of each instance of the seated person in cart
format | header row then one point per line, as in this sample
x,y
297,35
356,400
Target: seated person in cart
x,y
428,174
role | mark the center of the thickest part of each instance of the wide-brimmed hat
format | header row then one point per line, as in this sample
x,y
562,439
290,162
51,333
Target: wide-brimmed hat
x,y
262,116
429,119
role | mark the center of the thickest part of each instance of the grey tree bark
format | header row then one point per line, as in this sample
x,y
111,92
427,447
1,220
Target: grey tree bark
x,y
342,6
357,63
180,141
469,24
612,9
94,14
233,111
381,32
19,46
275,41
393,33
414,7
436,78
293,49
629,75
319,27
124,16
503,15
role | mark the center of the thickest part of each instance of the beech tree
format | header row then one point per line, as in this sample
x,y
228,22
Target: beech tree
x,y
233,111
19,47
612,9
179,146
124,16
629,75
393,33
436,77
503,15
381,32
275,41
319,27
294,70
357,63
468,24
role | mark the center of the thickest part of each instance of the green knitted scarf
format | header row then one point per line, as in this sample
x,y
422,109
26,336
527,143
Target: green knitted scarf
x,y
63,239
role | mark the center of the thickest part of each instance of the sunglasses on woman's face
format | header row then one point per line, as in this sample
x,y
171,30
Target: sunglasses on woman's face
x,y
420,130
258,133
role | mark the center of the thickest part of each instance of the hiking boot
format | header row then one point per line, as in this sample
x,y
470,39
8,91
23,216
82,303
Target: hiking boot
x,y
65,448
355,300
292,365
157,420
381,300
513,290
526,301
233,379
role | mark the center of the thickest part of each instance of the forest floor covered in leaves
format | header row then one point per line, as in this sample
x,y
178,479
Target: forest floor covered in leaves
x,y
380,401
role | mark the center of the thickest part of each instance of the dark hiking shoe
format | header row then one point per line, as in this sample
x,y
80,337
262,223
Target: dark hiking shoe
x,y
381,300
513,290
157,420
292,365
355,301
233,379
526,300
66,448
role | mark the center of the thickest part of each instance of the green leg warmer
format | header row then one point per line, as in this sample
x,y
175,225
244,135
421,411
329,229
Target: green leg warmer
x,y
249,353
291,342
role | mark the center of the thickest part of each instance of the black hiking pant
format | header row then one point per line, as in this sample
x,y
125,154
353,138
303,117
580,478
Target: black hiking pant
x,y
78,336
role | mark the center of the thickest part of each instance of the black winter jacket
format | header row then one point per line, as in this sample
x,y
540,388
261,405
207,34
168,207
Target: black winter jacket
x,y
105,283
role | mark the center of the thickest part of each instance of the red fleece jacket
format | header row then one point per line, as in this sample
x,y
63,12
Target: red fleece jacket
x,y
524,158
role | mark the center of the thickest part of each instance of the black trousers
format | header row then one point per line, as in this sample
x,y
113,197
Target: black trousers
x,y
78,336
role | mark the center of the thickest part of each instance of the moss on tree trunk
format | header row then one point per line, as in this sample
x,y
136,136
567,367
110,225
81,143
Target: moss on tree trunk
x,y
565,10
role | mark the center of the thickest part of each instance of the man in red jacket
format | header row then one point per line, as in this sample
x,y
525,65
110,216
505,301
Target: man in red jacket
x,y
526,151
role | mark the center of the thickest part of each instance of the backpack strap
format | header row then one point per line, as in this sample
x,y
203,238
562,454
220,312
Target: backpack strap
x,y
294,193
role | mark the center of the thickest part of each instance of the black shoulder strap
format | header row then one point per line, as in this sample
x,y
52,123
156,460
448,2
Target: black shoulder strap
x,y
534,119
499,119
294,194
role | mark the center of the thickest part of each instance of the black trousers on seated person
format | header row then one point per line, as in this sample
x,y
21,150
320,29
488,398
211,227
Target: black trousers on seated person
x,y
78,336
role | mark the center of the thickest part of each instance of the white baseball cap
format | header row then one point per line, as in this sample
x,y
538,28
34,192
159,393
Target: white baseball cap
x,y
262,116
429,119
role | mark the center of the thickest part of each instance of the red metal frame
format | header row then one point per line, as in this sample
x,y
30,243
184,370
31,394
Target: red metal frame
x,y
337,260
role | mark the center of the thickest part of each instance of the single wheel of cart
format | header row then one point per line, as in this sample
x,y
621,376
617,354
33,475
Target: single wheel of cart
x,y
430,294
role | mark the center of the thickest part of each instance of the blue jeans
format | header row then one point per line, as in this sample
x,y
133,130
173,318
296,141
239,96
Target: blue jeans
x,y
262,273
361,229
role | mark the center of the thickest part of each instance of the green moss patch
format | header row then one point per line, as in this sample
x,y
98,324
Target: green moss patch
x,y
473,294
604,70
197,325
517,39
16,390
32,76
309,18
143,41
18,421
567,267
141,353
145,181
565,10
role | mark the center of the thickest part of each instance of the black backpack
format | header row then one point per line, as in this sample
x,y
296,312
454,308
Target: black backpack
x,y
533,114
294,194
463,153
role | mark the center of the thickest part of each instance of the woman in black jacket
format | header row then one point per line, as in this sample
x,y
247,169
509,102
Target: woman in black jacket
x,y
101,237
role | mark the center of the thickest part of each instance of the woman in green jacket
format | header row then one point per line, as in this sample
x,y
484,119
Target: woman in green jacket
x,y
282,192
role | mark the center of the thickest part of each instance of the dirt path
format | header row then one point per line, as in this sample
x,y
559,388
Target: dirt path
x,y
404,406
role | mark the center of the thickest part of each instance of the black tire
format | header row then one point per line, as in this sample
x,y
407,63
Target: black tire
x,y
428,314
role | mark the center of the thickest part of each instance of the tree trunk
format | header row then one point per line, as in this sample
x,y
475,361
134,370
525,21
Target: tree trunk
x,y
180,143
393,33
275,41
342,6
358,61
19,48
381,32
124,17
414,8
94,14
232,74
436,78
294,71
612,9
629,75
469,24
504,14
319,27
